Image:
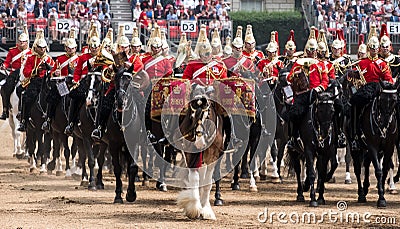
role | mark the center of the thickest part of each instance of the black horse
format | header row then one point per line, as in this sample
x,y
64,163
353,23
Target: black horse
x,y
316,134
90,86
378,134
124,121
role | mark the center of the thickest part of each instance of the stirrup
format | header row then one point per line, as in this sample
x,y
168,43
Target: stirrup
x,y
355,146
342,140
69,129
46,126
22,127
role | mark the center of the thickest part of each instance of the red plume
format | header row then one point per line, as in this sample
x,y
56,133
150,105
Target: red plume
x,y
361,39
291,36
277,42
383,31
340,36
316,33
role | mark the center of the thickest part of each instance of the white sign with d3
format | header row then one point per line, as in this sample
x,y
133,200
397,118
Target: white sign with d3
x,y
188,26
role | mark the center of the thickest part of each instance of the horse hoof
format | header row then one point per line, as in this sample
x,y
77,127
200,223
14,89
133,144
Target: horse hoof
x,y
276,180
253,189
218,202
362,199
347,181
92,186
20,156
14,155
257,178
130,196
300,199
263,177
100,186
381,204
84,183
59,173
235,187
313,203
118,200
393,191
162,188
32,170
332,180
244,175
146,183
321,201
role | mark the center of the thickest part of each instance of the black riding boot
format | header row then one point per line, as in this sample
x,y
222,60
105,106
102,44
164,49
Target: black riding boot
x,y
26,114
72,116
147,122
235,142
355,145
6,104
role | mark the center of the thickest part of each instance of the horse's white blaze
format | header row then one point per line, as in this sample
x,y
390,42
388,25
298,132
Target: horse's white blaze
x,y
189,199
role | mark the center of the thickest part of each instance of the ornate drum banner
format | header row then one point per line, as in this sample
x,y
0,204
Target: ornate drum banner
x,y
237,95
169,96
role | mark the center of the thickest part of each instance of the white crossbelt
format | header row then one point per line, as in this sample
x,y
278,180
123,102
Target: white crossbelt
x,y
68,61
239,63
153,62
202,69
19,55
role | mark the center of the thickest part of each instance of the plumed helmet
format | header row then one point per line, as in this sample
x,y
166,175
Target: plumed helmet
x,y
71,43
228,47
249,37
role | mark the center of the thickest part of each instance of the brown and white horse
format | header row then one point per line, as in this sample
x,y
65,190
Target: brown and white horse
x,y
202,141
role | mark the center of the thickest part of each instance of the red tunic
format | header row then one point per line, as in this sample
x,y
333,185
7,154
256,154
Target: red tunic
x,y
329,67
171,59
81,68
137,63
205,76
375,70
265,67
64,61
252,55
317,75
33,62
157,67
13,61
233,65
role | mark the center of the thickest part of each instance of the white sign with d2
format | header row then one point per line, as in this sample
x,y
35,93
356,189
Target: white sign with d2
x,y
63,25
128,26
393,27
188,26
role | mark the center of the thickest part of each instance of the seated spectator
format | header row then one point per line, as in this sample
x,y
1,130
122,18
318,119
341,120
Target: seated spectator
x,y
53,12
149,13
369,8
387,9
10,28
223,14
145,5
30,6
105,25
40,12
203,18
103,14
172,15
93,7
11,11
72,11
192,16
22,12
82,11
213,13
52,4
75,24
62,7
159,12
136,12
189,4
3,7
199,8
104,4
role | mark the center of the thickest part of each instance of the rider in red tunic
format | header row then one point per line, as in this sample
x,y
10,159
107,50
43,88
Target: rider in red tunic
x,y
64,67
250,46
78,91
271,65
36,67
373,69
13,63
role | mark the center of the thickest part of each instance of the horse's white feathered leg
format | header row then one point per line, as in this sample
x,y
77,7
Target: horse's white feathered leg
x,y
205,190
189,199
